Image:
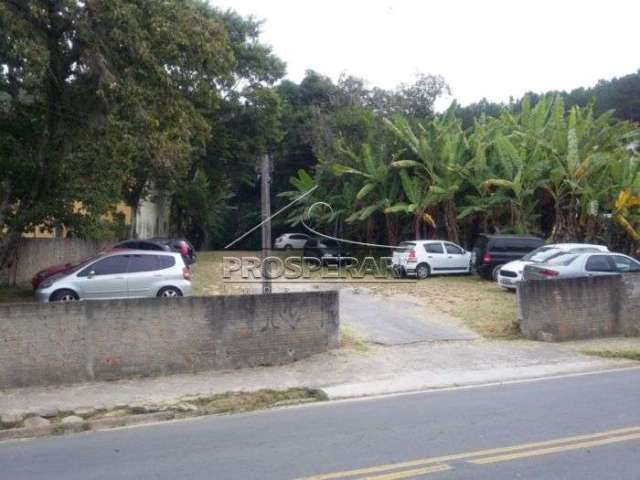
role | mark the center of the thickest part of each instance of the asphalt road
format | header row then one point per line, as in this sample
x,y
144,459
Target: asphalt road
x,y
565,428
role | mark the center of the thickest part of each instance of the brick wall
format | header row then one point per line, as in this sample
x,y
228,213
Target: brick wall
x,y
108,340
630,306
578,308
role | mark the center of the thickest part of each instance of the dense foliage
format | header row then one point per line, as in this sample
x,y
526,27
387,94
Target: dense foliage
x,y
101,100
540,167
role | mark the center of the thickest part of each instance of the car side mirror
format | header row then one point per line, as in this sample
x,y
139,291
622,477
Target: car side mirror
x,y
91,274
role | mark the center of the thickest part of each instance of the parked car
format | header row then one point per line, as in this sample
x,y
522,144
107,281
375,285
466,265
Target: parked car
x,y
120,274
570,265
42,275
327,251
290,241
491,252
511,273
48,272
162,244
423,258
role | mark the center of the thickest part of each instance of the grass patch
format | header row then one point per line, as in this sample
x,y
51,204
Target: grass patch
x,y
207,273
350,340
236,402
482,305
19,294
629,354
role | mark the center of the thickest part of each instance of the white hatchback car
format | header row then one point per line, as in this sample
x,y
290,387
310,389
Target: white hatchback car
x,y
423,258
289,241
510,274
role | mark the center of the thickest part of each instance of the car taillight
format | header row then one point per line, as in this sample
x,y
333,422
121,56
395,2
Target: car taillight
x,y
186,273
548,272
412,256
486,258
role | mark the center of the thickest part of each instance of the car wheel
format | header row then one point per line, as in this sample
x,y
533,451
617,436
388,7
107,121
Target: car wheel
x,y
495,272
64,296
423,271
288,247
170,292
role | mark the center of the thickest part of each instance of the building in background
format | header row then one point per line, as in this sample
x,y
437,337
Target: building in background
x,y
151,218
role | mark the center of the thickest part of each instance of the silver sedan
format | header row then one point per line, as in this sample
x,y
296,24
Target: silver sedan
x,y
570,265
120,274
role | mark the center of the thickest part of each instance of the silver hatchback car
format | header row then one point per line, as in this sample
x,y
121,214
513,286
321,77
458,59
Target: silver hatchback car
x,y
120,274
571,265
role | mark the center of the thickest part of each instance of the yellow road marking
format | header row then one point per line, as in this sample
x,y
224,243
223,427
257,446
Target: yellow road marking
x,y
561,448
410,473
473,454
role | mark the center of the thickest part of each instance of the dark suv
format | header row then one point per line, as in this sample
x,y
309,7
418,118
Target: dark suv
x,y
327,251
178,245
492,251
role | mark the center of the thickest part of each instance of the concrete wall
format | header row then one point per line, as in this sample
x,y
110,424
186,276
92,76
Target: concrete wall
x,y
34,254
108,340
578,308
630,305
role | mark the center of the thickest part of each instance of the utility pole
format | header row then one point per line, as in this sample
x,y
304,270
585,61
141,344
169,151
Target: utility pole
x,y
265,202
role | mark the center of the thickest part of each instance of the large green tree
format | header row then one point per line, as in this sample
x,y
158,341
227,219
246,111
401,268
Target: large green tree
x,y
101,100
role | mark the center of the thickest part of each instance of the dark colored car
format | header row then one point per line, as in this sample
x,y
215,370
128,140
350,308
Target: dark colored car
x,y
327,251
42,275
492,251
181,246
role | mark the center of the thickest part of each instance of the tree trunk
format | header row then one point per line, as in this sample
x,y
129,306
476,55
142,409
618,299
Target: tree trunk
x,y
392,230
566,222
451,221
591,231
417,221
8,248
370,230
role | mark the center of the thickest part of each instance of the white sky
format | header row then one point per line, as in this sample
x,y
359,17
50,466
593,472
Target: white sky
x,y
483,48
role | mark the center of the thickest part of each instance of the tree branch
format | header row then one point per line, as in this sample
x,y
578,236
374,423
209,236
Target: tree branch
x,y
22,10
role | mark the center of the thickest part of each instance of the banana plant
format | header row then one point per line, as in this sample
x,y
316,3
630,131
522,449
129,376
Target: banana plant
x,y
625,180
583,149
379,186
441,152
302,184
521,175
416,204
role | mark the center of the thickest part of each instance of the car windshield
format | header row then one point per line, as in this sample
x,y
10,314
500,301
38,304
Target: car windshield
x,y
541,254
404,246
329,244
563,259
84,263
